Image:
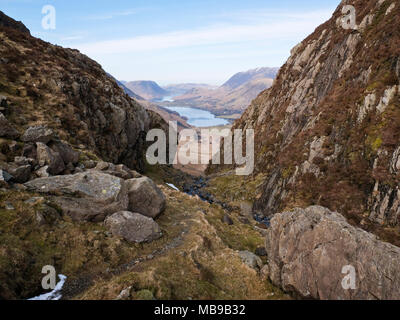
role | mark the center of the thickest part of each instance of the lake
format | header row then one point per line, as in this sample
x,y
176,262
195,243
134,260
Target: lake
x,y
199,118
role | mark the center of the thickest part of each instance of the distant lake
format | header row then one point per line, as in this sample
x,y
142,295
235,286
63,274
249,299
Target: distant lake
x,y
199,118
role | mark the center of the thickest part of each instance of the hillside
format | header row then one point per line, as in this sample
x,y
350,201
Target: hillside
x,y
166,114
149,90
244,77
233,97
182,88
70,139
327,131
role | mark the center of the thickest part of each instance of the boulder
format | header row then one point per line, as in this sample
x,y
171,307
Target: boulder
x,y
251,260
41,134
87,196
23,161
133,227
21,174
6,128
314,253
145,197
66,152
52,159
120,170
29,151
5,177
43,172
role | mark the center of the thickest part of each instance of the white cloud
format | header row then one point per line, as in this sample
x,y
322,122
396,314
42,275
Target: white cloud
x,y
216,34
112,15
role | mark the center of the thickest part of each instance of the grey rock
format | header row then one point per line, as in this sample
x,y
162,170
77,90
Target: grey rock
x,y
5,177
41,134
52,159
21,174
7,130
23,161
125,294
120,170
9,206
102,165
43,172
133,227
251,260
29,151
87,196
89,164
145,197
66,152
308,249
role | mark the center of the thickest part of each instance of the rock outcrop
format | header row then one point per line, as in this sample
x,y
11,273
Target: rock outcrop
x,y
64,92
86,196
133,227
313,252
327,131
145,197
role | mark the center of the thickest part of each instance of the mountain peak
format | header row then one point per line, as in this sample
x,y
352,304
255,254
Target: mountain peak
x,y
242,77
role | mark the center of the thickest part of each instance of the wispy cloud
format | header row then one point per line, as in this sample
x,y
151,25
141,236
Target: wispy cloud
x,y
112,15
215,34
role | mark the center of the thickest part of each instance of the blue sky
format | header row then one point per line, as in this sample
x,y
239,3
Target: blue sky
x,y
172,41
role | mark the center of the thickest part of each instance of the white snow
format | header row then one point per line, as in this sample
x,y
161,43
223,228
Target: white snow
x,y
172,186
55,294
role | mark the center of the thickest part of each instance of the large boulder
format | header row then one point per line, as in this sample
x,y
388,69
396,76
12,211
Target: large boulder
x,y
86,196
133,227
6,129
41,134
145,197
315,253
52,159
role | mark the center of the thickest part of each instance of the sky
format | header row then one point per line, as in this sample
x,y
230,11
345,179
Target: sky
x,y
172,41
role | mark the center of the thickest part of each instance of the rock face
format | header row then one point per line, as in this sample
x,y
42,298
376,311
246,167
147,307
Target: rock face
x,y
87,196
328,127
6,129
83,106
133,227
145,197
309,249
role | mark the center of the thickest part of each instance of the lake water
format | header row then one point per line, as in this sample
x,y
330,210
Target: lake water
x,y
199,118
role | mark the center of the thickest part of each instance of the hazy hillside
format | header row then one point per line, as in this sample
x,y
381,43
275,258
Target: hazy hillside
x,y
148,90
234,96
182,88
244,77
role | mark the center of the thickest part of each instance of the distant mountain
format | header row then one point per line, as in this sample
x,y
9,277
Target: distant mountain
x,y
234,96
242,77
148,90
182,88
128,91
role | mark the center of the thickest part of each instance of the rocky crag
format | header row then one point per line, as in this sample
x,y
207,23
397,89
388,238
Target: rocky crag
x,y
327,131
